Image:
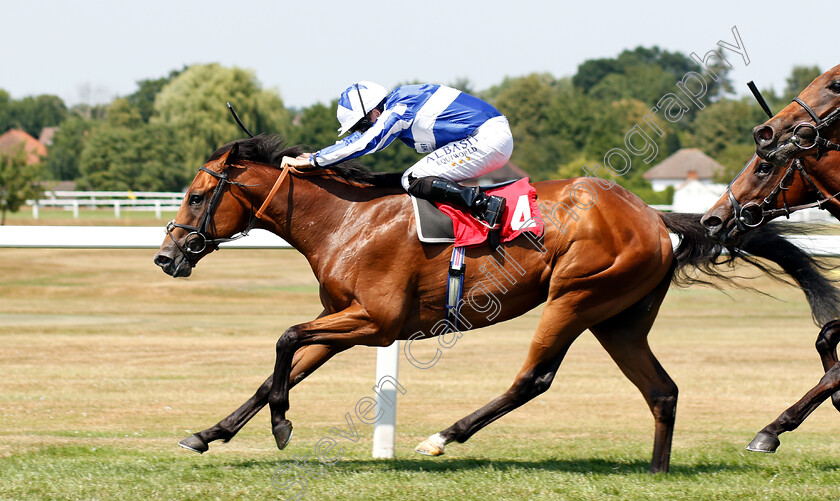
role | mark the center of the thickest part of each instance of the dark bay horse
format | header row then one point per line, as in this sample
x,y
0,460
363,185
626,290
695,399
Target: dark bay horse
x,y
809,126
604,263
798,167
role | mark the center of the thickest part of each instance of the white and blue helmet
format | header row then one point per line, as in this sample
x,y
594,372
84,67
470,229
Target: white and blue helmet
x,y
356,102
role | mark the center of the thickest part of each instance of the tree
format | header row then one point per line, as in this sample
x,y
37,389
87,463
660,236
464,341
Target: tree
x,y
32,114
193,106
145,158
18,182
316,126
121,113
5,111
800,77
143,100
723,123
62,161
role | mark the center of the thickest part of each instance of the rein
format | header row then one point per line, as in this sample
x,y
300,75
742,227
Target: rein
x,y
198,237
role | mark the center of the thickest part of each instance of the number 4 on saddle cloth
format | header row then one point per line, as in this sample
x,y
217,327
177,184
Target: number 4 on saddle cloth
x,y
441,223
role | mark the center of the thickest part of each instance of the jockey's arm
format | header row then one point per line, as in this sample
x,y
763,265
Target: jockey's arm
x,y
381,134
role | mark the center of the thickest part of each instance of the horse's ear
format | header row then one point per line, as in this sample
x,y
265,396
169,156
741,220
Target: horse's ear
x,y
226,159
231,155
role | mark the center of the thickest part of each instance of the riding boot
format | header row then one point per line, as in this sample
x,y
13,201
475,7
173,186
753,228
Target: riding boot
x,y
487,208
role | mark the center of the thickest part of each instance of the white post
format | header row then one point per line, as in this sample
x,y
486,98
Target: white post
x,y
35,210
157,209
384,431
75,209
117,209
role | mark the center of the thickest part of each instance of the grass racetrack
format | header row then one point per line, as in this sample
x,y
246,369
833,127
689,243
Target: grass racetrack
x,y
105,363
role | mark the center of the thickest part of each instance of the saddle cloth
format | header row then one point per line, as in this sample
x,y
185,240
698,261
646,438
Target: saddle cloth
x,y
441,223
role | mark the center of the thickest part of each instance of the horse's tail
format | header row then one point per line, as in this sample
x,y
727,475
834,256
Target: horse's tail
x,y
695,253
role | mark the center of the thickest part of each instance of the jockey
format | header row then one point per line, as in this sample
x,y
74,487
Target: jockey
x,y
463,137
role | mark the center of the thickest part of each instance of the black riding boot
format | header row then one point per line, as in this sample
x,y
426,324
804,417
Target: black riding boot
x,y
487,208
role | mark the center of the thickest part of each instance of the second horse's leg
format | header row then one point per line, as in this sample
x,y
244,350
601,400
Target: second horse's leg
x,y
767,440
827,341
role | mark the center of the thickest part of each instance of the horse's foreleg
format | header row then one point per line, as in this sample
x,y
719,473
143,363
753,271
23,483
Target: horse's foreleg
x,y
349,327
305,361
767,440
826,344
554,336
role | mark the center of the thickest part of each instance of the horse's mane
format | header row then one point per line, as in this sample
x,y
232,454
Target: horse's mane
x,y
270,150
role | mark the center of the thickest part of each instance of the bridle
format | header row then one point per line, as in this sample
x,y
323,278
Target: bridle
x,y
803,142
752,214
198,239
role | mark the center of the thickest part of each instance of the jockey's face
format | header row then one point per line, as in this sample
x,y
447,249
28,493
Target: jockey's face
x,y
366,122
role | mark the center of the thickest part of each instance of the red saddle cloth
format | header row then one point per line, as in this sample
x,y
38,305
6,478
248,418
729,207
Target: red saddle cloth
x,y
521,214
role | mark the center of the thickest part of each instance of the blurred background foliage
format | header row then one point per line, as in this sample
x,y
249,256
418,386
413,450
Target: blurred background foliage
x,y
157,137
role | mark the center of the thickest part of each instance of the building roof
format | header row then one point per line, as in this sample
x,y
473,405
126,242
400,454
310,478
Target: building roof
x,y
12,139
682,163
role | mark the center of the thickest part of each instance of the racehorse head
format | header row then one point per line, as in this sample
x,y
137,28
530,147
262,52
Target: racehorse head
x,y
215,209
763,191
807,126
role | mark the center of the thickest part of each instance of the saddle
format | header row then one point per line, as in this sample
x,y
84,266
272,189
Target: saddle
x,y
446,224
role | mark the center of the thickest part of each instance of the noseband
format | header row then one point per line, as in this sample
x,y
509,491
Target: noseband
x,y
752,214
820,143
198,239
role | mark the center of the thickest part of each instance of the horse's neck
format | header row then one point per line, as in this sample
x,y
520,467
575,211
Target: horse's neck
x,y
311,212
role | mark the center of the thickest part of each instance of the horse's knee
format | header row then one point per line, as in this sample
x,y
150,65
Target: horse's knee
x,y
531,385
664,407
828,337
288,340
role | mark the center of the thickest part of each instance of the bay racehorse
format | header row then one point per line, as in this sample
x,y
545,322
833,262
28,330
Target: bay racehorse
x,y
797,166
809,126
605,264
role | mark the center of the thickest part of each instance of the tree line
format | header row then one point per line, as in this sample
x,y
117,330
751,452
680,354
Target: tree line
x,y
156,138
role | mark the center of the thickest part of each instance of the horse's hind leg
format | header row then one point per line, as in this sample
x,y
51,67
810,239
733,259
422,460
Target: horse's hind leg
x,y
554,336
826,344
624,336
767,440
306,360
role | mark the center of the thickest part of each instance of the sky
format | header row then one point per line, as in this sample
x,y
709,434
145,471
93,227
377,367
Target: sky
x,y
309,51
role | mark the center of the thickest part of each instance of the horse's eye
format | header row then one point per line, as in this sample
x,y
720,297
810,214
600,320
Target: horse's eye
x,y
763,169
196,199
835,87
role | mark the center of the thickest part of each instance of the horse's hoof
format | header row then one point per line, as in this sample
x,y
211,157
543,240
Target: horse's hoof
x,y
764,442
432,446
283,433
194,443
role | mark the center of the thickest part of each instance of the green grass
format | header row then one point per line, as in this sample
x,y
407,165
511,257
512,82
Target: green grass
x,y
105,363
87,217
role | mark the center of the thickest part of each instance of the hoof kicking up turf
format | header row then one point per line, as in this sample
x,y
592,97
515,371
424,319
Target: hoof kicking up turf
x,y
194,443
432,446
283,433
764,442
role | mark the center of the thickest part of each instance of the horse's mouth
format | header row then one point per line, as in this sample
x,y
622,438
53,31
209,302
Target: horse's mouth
x,y
175,267
779,156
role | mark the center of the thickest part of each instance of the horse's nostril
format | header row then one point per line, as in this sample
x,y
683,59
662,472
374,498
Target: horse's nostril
x,y
162,260
711,222
764,134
